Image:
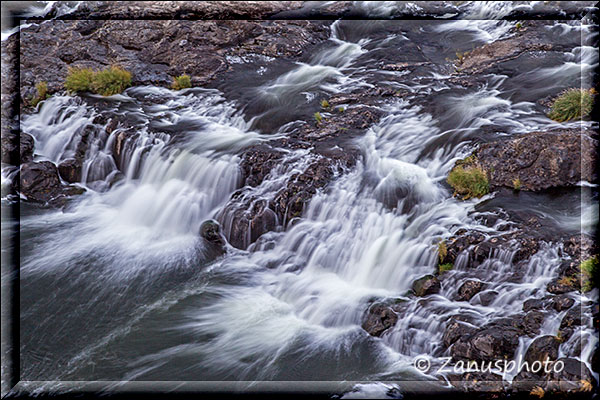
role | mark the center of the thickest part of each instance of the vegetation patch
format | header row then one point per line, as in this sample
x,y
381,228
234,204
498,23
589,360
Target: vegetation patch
x,y
42,93
181,82
107,82
79,79
589,274
571,104
318,117
445,268
324,104
516,184
469,179
442,250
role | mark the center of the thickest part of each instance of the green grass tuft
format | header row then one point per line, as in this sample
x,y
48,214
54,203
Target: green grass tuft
x,y
107,82
445,267
516,184
181,82
42,93
470,181
111,81
442,250
589,272
79,79
571,104
318,117
324,104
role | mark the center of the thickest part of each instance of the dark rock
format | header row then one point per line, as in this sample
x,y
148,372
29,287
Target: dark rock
x,y
426,285
70,170
489,344
456,329
40,183
533,304
571,320
573,377
539,160
26,147
156,50
211,231
17,147
379,318
559,286
479,382
562,302
580,247
543,348
469,289
485,298
532,322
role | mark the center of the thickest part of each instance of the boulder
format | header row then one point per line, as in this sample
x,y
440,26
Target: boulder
x,y
469,289
426,285
70,170
543,348
40,183
539,160
378,319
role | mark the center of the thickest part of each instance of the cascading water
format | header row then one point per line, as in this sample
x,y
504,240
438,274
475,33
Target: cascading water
x,y
135,295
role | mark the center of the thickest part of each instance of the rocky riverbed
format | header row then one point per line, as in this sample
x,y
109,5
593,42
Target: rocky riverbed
x,y
289,216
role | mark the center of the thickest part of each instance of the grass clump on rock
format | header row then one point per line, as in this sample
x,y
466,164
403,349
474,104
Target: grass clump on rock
x,y
181,82
42,93
445,268
589,272
570,104
79,79
469,179
107,82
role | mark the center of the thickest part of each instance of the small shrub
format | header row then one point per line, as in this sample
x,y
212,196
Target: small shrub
x,y
341,109
111,81
79,79
589,274
318,117
181,82
516,184
566,281
470,181
442,250
42,93
445,267
519,25
572,103
324,104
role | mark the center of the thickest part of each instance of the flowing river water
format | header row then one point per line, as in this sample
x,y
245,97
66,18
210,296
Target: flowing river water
x,y
119,286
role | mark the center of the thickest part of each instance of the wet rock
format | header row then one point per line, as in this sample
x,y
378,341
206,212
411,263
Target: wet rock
x,y
485,298
456,329
559,286
156,50
40,183
70,170
17,147
469,289
211,231
539,160
478,382
562,302
573,377
580,247
532,322
426,285
542,349
533,304
571,320
489,343
26,147
379,318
